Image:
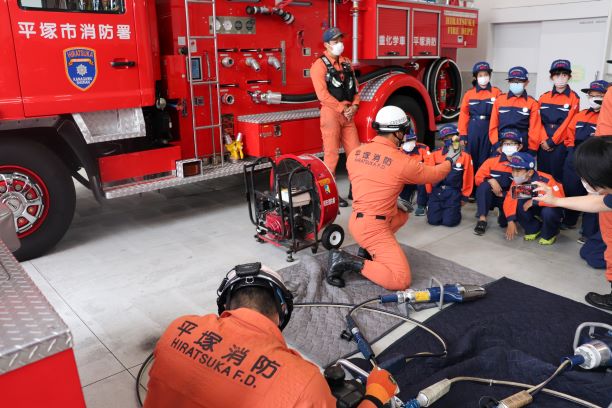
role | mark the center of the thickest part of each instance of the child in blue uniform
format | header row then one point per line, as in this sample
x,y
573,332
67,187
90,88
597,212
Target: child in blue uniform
x,y
419,152
493,180
448,196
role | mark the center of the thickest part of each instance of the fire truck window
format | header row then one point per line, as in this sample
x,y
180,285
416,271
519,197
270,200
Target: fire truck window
x,y
85,6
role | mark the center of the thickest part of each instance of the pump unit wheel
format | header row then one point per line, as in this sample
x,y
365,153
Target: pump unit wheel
x,y
332,237
38,189
444,84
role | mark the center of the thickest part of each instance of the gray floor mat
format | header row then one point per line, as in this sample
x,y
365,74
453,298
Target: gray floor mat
x,y
315,332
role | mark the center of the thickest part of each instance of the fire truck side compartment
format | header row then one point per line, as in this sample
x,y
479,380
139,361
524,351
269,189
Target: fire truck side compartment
x,y
137,164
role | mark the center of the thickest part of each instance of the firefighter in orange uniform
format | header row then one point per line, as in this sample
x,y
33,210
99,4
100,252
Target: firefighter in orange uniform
x,y
537,219
517,110
337,89
475,114
378,172
448,196
604,122
239,358
557,108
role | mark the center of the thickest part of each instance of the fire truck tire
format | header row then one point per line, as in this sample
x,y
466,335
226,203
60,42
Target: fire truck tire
x,y
413,111
332,237
431,83
35,165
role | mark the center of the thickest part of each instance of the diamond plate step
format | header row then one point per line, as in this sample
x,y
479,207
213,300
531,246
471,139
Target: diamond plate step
x,y
30,329
208,173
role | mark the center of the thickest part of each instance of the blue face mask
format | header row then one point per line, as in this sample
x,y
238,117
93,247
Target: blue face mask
x,y
517,88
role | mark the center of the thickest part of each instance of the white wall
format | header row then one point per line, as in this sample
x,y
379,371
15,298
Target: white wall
x,y
535,32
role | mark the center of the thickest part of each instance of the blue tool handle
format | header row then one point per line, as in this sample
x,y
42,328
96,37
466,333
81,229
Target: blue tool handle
x,y
390,298
451,294
362,344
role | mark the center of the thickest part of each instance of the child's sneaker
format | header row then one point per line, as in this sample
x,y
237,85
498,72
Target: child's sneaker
x,y
551,241
531,237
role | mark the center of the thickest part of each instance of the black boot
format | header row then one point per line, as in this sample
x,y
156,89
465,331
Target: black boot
x,y
363,253
342,202
339,262
600,301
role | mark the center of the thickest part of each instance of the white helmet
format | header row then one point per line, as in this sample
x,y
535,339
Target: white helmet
x,y
391,119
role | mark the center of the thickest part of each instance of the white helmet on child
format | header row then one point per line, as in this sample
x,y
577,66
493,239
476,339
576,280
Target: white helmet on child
x,y
391,119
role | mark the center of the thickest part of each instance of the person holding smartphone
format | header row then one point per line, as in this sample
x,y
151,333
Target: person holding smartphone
x,y
593,163
537,219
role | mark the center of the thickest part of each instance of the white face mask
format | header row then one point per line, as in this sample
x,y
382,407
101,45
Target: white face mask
x,y
593,104
483,81
588,188
560,81
520,179
337,49
409,145
509,150
517,88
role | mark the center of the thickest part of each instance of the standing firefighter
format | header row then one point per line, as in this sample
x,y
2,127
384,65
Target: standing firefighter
x,y
379,171
336,88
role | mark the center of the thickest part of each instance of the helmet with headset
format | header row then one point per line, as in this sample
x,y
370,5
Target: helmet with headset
x,y
391,119
254,275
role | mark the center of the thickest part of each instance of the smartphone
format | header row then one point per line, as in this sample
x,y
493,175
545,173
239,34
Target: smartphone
x,y
524,191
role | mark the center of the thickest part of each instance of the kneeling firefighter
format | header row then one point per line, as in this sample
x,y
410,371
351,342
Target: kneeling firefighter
x,y
378,172
239,357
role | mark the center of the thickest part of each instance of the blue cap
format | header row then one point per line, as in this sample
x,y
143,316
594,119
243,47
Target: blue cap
x,y
510,134
518,73
481,66
561,65
410,135
521,160
448,130
331,33
597,86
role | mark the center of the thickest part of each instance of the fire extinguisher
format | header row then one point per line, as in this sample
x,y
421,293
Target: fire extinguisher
x,y
442,85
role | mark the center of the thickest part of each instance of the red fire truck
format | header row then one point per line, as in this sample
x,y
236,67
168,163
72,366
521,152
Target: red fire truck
x,y
129,96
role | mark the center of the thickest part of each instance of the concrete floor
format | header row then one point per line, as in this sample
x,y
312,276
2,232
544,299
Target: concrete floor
x,y
125,270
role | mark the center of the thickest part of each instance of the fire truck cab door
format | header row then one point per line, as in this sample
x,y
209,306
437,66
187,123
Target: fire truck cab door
x,y
75,55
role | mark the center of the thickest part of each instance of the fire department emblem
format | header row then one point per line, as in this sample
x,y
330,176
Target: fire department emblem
x,y
81,67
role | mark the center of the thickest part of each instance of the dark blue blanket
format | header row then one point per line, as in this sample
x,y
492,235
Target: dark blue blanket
x,y
517,333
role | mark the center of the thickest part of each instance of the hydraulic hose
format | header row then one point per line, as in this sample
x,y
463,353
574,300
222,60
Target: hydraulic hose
x,y
428,396
143,367
312,97
391,314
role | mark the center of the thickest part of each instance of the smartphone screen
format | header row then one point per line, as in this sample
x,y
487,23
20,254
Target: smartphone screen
x,y
524,191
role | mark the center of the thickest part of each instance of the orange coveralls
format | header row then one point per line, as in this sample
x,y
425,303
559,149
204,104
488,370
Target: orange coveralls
x,y
239,359
336,130
604,122
378,172
605,225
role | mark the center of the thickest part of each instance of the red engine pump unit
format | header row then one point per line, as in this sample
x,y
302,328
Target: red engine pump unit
x,y
299,200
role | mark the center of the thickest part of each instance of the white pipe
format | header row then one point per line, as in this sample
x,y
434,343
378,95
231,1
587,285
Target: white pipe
x,y
355,11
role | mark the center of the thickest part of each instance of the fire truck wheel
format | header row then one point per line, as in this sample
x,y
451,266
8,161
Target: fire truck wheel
x,y
332,237
38,188
413,111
